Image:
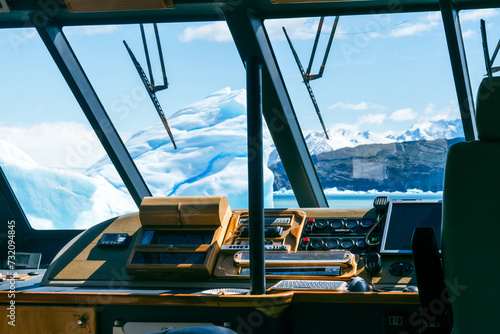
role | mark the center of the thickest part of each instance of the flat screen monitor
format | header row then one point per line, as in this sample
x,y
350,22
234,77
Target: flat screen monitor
x,y
403,217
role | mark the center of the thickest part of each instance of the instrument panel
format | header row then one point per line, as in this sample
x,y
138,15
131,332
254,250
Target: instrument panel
x,y
181,241
347,233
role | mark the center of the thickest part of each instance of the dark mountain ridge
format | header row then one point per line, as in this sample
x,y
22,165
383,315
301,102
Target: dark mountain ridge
x,y
397,166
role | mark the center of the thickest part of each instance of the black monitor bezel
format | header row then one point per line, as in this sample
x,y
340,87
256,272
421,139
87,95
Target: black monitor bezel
x,y
383,249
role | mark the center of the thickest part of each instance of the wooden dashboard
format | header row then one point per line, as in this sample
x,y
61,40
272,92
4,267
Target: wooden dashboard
x,y
193,260
205,252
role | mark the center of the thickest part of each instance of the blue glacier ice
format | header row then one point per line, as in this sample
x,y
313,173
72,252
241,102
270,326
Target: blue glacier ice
x,y
211,158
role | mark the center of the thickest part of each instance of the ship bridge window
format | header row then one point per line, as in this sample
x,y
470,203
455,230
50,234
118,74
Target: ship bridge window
x,y
386,97
204,105
48,150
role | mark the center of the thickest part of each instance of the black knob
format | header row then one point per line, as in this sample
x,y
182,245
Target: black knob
x,y
317,243
320,224
331,244
347,243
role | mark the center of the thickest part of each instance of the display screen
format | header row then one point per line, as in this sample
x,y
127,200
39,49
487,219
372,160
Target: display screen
x,y
194,238
114,240
22,261
402,219
27,260
168,258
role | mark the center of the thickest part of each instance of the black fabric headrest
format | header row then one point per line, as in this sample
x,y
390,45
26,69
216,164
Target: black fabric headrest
x,y
488,109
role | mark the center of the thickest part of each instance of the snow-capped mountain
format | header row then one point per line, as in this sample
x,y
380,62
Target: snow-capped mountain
x,y
431,130
350,137
339,138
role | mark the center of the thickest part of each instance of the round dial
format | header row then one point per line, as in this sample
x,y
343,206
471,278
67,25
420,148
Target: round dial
x,y
317,243
366,223
331,244
361,243
347,243
337,223
320,223
351,223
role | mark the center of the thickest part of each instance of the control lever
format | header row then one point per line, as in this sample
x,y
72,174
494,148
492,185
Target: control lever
x,y
373,263
357,284
380,204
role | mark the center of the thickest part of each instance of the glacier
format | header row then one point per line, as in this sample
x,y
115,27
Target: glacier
x,y
211,160
60,199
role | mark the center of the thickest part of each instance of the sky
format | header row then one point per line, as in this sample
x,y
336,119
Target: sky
x,y
384,73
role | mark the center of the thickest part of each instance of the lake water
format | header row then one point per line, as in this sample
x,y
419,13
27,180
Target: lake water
x,y
353,200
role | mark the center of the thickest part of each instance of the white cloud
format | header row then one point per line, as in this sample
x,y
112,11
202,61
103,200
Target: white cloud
x,y
469,34
450,112
476,15
434,17
429,109
358,106
40,223
212,32
401,115
26,33
91,30
430,22
17,37
58,144
299,29
99,30
372,118
344,126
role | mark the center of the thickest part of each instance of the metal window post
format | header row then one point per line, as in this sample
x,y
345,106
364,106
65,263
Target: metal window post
x,y
67,62
255,176
251,40
458,60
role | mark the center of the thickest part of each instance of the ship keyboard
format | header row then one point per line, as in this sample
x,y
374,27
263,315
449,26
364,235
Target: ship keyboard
x,y
309,285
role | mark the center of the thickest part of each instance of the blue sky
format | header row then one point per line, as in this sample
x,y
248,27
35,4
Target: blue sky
x,y
385,72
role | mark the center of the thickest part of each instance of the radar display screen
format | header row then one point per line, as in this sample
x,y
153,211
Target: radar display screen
x,y
402,219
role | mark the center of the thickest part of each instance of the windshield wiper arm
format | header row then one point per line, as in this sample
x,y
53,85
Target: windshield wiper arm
x,y
150,87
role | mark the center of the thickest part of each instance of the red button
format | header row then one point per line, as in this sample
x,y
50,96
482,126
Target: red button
x,y
311,220
305,240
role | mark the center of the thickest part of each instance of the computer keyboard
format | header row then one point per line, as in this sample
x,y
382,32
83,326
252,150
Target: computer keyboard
x,y
293,284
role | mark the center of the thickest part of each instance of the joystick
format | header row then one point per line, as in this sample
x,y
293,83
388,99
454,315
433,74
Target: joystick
x,y
357,284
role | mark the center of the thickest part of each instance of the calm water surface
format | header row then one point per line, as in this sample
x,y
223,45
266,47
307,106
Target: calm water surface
x,y
353,200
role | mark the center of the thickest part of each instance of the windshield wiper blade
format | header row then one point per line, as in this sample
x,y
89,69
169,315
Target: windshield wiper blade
x,y
151,92
306,75
306,82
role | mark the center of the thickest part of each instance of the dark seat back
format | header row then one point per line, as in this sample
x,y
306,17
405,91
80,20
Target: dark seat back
x,y
471,221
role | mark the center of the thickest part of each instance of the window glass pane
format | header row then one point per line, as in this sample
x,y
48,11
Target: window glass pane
x,y
471,32
47,148
387,99
205,105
